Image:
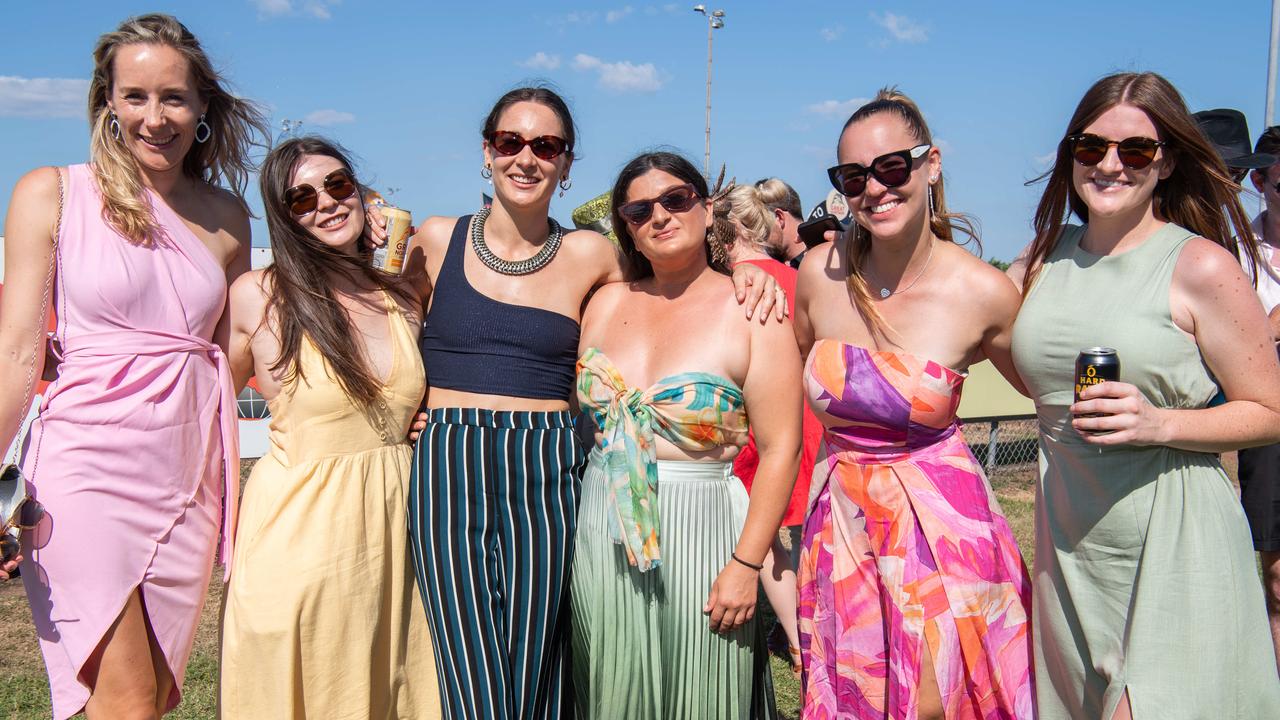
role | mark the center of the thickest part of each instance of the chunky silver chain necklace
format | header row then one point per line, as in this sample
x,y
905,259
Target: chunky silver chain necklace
x,y
507,267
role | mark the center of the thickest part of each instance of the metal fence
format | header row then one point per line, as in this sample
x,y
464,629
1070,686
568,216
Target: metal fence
x,y
1003,444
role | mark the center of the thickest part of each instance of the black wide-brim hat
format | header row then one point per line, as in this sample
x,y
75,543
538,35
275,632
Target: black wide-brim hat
x,y
1229,133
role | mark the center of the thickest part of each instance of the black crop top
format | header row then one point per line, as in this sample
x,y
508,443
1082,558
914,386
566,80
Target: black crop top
x,y
473,343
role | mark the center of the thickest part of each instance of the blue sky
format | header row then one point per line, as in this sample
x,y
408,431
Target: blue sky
x,y
406,85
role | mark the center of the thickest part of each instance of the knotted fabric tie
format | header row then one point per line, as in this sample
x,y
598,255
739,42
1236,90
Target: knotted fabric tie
x,y
693,411
123,343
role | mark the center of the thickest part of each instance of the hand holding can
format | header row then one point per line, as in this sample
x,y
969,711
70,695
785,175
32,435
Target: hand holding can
x,y
1094,366
389,257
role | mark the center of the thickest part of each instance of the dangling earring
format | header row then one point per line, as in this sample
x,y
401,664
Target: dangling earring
x,y
933,209
716,249
114,126
565,184
203,126
487,173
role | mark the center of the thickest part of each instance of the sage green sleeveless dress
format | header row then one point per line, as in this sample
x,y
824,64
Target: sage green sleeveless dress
x,y
1144,573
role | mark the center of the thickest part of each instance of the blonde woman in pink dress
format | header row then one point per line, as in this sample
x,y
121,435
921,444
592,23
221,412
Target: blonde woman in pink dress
x,y
914,601
128,454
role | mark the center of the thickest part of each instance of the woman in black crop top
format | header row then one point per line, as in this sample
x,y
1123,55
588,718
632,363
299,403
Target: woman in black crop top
x,y
493,496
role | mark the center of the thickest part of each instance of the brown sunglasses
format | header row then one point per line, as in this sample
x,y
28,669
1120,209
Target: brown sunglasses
x,y
303,199
678,199
1134,152
544,147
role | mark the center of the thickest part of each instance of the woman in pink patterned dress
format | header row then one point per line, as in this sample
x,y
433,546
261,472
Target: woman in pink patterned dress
x,y
914,601
134,454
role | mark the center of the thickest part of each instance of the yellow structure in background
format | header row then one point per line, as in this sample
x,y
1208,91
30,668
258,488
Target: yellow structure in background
x,y
988,395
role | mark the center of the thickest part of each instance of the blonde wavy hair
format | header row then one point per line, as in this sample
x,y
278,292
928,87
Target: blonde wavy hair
x,y
744,204
942,223
778,195
236,125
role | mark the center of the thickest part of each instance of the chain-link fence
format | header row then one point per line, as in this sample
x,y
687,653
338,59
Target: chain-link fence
x,y
1003,445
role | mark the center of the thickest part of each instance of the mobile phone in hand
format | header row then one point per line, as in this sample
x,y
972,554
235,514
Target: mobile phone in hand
x,y
811,230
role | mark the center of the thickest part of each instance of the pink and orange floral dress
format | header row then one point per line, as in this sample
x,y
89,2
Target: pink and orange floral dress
x,y
905,551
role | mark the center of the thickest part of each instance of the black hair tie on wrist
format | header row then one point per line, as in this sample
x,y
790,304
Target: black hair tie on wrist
x,y
753,566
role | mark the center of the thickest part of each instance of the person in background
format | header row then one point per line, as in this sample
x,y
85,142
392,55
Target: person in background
x,y
1259,467
783,202
1228,132
323,618
914,600
1142,549
134,456
745,225
669,548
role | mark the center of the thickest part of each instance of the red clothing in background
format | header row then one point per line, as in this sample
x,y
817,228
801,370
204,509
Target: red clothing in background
x,y
744,466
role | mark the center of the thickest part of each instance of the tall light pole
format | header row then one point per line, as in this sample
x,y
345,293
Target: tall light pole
x,y
715,21
1270,118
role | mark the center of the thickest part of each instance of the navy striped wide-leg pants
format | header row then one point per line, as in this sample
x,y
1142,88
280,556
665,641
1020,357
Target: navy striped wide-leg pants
x,y
492,508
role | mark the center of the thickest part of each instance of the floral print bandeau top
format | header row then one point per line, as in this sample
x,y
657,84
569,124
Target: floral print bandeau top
x,y
693,411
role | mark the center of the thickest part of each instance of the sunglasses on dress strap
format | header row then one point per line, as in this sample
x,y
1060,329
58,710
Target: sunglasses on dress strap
x,y
303,199
890,170
544,147
678,199
1134,152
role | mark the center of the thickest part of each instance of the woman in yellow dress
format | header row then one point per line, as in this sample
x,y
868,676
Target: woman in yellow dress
x,y
322,618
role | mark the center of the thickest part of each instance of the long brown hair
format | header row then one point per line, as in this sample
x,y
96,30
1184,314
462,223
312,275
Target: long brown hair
x,y
236,125
942,223
1193,196
301,297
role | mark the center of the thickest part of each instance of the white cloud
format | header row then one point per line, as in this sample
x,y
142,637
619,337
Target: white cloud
x,y
831,34
614,16
328,117
541,61
837,107
42,97
902,28
622,76
319,9
586,62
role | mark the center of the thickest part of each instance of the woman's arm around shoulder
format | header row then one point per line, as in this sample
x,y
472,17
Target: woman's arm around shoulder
x,y
817,268
1017,271
602,313
996,299
599,257
248,296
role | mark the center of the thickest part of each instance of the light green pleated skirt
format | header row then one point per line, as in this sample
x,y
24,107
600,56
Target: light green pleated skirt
x,y
642,649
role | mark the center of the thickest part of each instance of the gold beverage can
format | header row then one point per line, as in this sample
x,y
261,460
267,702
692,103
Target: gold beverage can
x,y
389,258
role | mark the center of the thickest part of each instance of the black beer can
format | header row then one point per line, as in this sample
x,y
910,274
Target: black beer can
x,y
1096,365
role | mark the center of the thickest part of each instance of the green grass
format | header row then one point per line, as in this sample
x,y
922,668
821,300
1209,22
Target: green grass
x,y
24,690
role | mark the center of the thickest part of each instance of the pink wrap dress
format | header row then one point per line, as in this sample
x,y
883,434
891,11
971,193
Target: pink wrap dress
x,y
128,454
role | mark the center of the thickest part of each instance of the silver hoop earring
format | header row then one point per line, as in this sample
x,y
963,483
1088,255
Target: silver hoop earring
x,y
114,126
487,173
565,184
202,125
